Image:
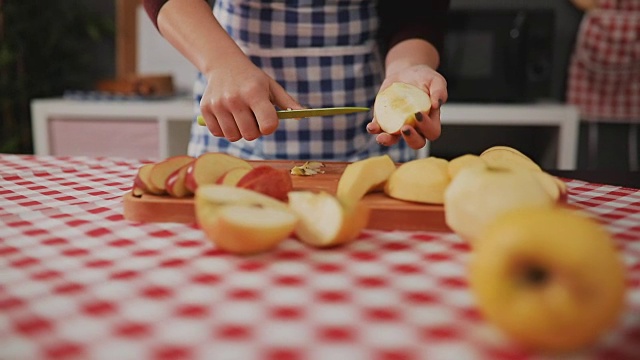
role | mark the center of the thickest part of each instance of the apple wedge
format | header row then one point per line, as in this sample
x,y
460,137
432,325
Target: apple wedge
x,y
209,167
505,156
175,184
463,161
143,180
422,180
161,171
324,221
267,180
232,176
399,104
362,177
242,221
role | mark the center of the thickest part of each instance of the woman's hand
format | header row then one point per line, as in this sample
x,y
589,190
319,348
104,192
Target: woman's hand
x,y
238,102
428,126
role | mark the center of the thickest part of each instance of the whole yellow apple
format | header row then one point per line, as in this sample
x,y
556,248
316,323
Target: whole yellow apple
x,y
550,278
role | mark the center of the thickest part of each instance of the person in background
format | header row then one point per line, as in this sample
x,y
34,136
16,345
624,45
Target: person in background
x,y
254,54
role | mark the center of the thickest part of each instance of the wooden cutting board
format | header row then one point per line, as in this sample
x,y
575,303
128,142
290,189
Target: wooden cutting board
x,y
386,213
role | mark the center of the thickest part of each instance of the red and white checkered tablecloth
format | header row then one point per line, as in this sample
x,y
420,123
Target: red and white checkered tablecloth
x,y
78,281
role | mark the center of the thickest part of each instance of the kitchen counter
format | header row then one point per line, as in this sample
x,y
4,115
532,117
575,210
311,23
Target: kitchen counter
x,y
79,281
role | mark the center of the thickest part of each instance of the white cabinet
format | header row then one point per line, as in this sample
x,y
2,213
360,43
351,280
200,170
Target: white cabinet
x,y
153,129
158,129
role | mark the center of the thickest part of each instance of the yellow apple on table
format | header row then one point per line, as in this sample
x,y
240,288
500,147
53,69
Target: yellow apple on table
x,y
478,194
242,221
550,278
422,180
324,221
399,104
209,167
362,177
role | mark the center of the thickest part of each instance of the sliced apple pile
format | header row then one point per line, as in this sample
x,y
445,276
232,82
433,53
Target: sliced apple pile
x,y
209,167
399,104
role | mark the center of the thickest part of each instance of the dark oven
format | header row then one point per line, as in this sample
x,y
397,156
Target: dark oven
x,y
508,51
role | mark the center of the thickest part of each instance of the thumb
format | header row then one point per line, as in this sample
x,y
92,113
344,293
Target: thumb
x,y
281,98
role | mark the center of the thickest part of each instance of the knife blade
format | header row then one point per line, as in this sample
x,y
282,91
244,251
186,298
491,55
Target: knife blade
x,y
305,113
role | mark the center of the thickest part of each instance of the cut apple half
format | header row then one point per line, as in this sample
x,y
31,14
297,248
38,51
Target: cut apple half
x,y
324,221
463,161
242,221
398,105
362,177
422,180
209,167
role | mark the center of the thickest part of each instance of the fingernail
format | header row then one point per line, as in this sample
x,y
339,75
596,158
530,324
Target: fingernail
x,y
369,127
418,116
407,132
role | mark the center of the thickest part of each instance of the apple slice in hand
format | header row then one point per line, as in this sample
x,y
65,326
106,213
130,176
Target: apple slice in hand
x,y
398,105
175,185
362,177
209,167
324,220
242,221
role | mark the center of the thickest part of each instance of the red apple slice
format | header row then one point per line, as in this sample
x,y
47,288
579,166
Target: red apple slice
x,y
267,180
175,182
164,168
209,167
143,180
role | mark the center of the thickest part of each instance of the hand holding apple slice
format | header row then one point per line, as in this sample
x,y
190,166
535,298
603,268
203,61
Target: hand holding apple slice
x,y
242,221
324,220
398,105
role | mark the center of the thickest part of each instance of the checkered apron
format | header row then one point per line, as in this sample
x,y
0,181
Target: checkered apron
x,y
604,73
324,54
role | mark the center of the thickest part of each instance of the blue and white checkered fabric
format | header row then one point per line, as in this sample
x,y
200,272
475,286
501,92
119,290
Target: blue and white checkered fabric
x,y
324,54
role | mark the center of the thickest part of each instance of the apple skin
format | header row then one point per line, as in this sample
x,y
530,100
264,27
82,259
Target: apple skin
x,y
550,278
463,161
269,181
242,221
324,221
209,167
175,185
505,156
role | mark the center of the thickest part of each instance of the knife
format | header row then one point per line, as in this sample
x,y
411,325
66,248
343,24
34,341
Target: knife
x,y
305,113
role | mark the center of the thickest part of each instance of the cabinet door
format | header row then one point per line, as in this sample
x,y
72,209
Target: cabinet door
x,y
136,139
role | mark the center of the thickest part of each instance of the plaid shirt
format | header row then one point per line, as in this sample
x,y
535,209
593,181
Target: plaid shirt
x,y
324,54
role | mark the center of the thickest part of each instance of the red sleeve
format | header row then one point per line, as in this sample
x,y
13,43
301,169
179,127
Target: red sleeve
x,y
152,7
408,19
